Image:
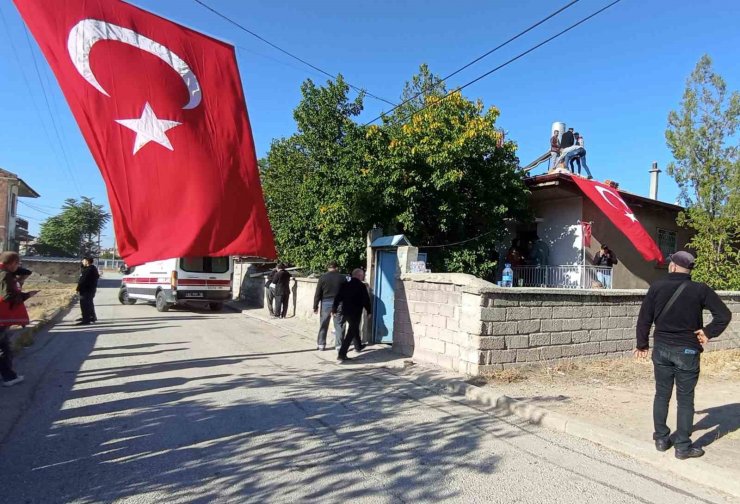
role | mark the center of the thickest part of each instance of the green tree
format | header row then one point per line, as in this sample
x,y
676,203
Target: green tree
x,y
449,175
702,136
77,228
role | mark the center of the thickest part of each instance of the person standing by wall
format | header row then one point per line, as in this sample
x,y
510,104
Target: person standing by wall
x,y
326,290
281,281
11,296
605,259
354,298
87,286
554,148
675,306
270,291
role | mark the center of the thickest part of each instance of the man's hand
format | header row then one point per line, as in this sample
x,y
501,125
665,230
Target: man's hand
x,y
315,311
640,354
333,313
701,337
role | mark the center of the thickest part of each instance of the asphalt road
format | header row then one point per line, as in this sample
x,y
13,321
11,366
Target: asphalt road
x,y
198,407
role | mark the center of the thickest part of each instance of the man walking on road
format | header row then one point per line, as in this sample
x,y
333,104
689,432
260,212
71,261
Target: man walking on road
x,y
87,286
326,290
675,305
270,291
353,297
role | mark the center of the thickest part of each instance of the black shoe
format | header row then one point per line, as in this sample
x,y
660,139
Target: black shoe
x,y
690,452
83,322
663,444
343,358
360,348
79,319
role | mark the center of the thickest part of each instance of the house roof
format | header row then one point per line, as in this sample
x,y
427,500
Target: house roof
x,y
566,180
24,190
390,241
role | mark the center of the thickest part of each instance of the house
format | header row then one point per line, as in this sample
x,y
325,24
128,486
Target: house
x,y
13,229
559,205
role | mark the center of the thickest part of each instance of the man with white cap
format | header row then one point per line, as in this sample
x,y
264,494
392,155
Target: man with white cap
x,y
675,305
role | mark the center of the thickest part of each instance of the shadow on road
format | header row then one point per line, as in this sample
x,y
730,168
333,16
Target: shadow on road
x,y
723,420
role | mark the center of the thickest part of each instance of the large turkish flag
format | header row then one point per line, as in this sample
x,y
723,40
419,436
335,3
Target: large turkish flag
x,y
161,108
608,200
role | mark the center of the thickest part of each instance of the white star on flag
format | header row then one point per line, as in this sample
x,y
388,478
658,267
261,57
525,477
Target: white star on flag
x,y
631,216
149,129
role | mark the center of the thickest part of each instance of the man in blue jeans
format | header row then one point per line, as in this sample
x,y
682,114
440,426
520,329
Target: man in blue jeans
x,y
675,305
326,290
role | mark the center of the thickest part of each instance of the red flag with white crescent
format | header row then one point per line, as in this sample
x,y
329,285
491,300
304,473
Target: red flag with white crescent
x,y
586,233
162,110
608,200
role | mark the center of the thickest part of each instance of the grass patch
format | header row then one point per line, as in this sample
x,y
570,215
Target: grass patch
x,y
48,300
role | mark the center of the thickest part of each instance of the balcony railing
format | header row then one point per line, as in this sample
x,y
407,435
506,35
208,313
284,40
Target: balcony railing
x,y
564,277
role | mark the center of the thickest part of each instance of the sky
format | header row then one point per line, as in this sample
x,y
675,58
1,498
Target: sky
x,y
614,78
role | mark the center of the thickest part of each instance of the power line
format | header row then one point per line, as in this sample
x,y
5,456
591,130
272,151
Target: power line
x,y
512,60
36,209
247,30
51,114
476,60
457,243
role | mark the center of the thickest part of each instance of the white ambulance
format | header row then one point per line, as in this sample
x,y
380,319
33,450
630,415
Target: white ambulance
x,y
206,280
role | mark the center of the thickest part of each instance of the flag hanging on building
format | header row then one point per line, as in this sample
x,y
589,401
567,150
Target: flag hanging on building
x,y
586,230
162,110
608,200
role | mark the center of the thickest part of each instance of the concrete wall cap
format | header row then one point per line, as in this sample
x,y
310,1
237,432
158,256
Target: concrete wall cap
x,y
472,283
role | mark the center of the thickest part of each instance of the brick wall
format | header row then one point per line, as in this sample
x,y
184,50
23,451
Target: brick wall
x,y
461,323
49,271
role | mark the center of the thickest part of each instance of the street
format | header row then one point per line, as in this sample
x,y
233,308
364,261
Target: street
x,y
194,406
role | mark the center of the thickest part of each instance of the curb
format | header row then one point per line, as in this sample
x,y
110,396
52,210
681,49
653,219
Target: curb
x,y
25,337
697,470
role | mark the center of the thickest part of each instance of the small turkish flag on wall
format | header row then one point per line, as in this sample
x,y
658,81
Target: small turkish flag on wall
x,y
609,201
162,110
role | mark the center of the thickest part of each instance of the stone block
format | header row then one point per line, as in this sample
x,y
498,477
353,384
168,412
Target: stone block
x,y
617,311
601,311
452,350
503,328
572,324
597,335
552,325
433,345
452,324
591,323
626,322
518,313
539,339
625,345
528,355
492,342
551,352
580,336
447,310
591,348
446,335
493,314
473,326
608,346
502,356
544,312
562,338
615,334
521,341
566,312
439,321
419,330
489,369
573,350
528,326
506,302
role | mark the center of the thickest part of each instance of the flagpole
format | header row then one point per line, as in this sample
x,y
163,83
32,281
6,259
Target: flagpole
x,y
583,251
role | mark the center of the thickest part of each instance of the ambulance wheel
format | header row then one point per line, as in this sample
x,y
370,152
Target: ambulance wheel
x,y
216,306
161,302
123,297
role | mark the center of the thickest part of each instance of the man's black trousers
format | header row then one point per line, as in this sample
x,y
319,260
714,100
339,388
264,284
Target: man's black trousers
x,y
353,334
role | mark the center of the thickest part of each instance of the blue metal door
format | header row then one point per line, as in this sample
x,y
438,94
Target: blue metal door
x,y
385,279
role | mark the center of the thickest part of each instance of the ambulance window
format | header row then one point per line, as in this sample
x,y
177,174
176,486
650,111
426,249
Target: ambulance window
x,y
205,264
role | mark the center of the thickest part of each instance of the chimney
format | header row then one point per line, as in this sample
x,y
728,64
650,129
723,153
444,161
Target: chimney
x,y
654,181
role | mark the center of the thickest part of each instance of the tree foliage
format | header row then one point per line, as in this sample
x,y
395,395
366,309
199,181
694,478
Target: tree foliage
x,y
76,228
703,137
436,169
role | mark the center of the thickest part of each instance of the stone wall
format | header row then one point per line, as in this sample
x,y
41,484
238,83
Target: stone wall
x,y
461,323
52,271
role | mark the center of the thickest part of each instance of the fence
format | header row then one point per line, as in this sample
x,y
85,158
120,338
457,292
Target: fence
x,y
109,264
565,276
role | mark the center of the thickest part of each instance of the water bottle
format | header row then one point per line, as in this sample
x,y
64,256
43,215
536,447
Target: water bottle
x,y
507,278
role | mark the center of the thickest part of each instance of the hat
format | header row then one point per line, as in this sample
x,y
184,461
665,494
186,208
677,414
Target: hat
x,y
683,259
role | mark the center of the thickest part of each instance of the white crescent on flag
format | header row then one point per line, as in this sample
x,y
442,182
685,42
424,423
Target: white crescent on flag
x,y
628,211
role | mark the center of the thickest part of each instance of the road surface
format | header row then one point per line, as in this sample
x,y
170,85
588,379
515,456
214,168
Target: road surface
x,y
190,406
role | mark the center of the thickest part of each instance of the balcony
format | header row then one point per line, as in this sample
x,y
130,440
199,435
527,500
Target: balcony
x,y
564,277
21,230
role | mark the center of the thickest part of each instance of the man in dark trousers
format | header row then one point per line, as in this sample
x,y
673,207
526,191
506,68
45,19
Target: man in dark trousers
x,y
354,298
326,290
270,291
281,281
87,286
675,305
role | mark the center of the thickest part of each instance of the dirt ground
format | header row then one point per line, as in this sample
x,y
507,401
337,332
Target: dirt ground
x,y
618,395
49,298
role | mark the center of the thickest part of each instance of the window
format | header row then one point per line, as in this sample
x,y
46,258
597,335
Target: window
x,y
205,264
13,204
666,242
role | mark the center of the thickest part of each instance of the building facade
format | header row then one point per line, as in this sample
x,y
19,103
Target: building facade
x,y
13,229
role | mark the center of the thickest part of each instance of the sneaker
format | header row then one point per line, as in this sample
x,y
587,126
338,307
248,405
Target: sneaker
x,y
690,452
663,444
321,348
18,379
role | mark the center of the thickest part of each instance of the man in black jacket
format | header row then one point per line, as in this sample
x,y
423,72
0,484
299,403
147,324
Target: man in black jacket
x,y
354,298
270,291
326,290
87,286
281,281
675,305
